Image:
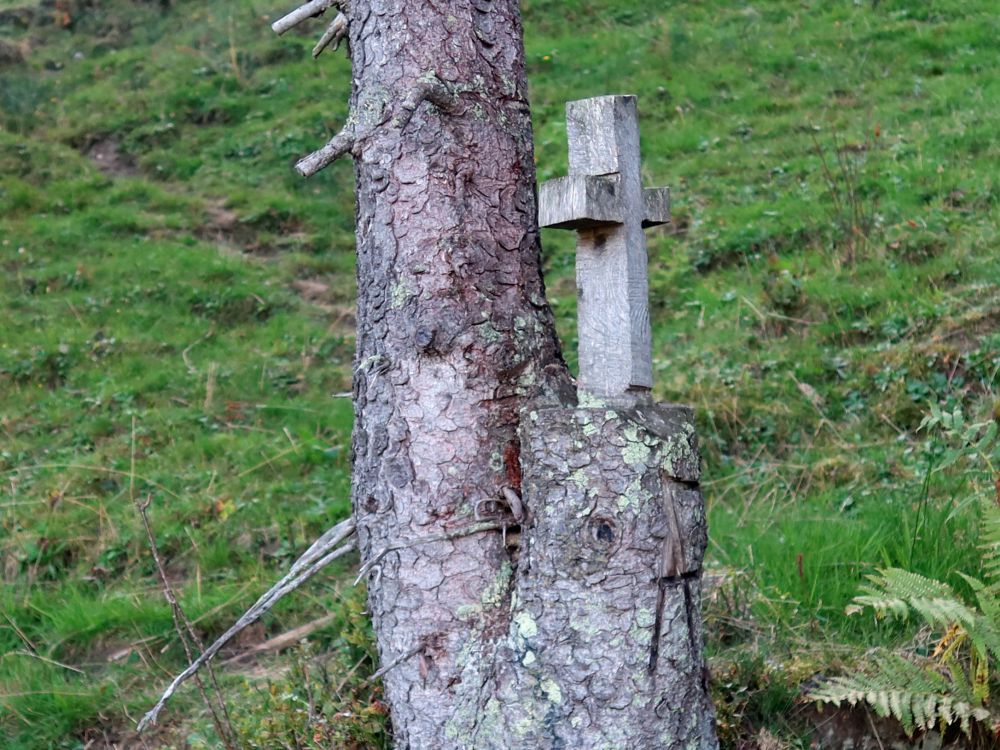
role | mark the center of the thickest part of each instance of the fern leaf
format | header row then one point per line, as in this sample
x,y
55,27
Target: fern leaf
x,y
989,542
899,706
981,680
893,592
916,695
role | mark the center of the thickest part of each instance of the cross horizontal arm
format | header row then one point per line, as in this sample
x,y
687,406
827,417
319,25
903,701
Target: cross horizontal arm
x,y
656,206
586,202
579,202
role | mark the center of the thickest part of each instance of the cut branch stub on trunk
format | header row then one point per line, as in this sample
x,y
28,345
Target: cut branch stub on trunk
x,y
603,200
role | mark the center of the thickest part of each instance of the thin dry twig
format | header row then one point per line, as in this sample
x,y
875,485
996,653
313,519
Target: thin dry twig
x,y
283,641
185,631
396,662
302,13
334,34
20,633
335,543
47,660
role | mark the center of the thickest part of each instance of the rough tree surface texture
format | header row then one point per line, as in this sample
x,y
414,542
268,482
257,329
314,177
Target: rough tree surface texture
x,y
577,625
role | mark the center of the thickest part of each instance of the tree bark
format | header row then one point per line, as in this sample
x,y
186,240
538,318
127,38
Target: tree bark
x,y
570,634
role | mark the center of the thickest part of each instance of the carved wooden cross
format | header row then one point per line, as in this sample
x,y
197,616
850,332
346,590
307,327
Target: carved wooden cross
x,y
603,200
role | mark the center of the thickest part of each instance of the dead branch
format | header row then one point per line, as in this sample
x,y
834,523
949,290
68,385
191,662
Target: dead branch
x,y
300,14
427,88
283,641
334,33
339,145
320,554
396,662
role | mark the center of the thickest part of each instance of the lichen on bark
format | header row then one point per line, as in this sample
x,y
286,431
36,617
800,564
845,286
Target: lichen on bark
x,y
605,643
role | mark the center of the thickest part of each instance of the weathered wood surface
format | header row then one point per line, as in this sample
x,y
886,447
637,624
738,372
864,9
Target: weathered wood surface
x,y
603,199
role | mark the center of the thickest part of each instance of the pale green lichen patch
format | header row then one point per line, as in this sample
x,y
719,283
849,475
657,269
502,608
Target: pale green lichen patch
x,y
400,293
522,324
636,452
584,625
634,497
590,401
526,625
579,478
468,612
465,652
494,594
529,658
644,617
489,333
551,690
523,726
641,631
590,429
676,451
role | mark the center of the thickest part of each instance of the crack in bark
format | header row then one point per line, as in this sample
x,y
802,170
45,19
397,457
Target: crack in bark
x,y
662,584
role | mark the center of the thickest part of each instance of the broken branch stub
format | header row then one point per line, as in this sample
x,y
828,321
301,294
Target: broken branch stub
x,y
334,33
302,13
339,145
426,88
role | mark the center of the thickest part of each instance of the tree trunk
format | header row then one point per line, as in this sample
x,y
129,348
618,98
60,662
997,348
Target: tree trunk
x,y
582,631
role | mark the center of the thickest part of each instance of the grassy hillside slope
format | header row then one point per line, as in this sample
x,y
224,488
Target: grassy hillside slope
x,y
175,323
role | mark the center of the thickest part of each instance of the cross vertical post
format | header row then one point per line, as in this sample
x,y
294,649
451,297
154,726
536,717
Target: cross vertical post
x,y
603,200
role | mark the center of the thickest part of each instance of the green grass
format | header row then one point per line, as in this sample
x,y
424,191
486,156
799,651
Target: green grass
x,y
151,312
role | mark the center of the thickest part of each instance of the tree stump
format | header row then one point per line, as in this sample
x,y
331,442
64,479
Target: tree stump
x,y
605,644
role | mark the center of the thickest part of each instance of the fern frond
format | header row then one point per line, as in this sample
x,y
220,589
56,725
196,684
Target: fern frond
x,y
917,696
894,586
989,542
897,593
